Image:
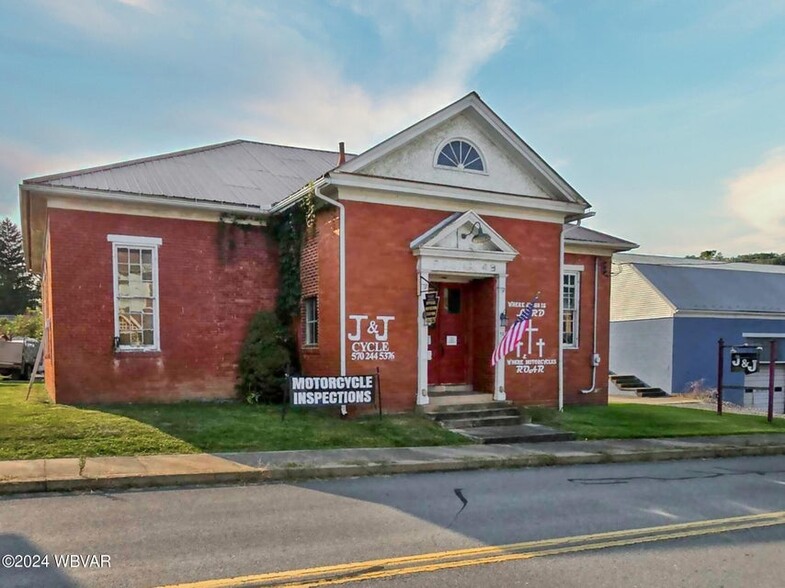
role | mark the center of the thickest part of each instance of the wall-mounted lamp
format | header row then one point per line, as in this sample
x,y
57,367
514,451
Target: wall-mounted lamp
x,y
480,238
503,320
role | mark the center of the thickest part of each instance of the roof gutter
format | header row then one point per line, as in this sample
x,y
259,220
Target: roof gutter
x,y
293,198
139,199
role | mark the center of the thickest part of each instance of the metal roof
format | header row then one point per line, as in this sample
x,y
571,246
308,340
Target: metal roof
x,y
636,258
712,287
581,235
238,172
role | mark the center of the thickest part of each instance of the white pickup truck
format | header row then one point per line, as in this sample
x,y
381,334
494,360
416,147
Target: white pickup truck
x,y
17,357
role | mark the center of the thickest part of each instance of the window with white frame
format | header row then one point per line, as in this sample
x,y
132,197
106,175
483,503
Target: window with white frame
x,y
135,266
461,155
311,309
571,295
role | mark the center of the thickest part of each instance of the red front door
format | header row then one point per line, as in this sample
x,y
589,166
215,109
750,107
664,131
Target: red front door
x,y
448,348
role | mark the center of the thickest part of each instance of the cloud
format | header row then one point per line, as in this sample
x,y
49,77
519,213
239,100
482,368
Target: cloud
x,y
99,18
176,73
314,104
19,161
756,198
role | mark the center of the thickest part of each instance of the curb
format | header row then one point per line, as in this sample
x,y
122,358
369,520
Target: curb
x,y
299,473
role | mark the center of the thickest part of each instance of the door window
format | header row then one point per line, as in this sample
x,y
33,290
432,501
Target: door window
x,y
453,300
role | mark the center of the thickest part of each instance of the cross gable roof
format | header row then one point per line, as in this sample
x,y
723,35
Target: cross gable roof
x,y
473,106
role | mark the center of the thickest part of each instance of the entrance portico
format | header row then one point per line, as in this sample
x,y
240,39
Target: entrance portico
x,y
460,249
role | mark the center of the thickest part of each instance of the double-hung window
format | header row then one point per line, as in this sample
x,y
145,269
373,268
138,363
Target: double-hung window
x,y
571,296
135,268
311,308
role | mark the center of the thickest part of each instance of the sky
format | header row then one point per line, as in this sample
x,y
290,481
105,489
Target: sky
x,y
668,116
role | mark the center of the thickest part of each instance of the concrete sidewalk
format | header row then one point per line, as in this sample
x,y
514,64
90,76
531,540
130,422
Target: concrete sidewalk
x,y
99,473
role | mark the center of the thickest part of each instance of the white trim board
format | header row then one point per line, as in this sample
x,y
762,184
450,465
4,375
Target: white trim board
x,y
444,192
376,196
134,240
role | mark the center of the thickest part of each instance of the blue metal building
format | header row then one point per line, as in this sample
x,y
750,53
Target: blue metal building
x,y
667,314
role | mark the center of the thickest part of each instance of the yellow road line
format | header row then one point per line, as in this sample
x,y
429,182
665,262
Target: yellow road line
x,y
369,570
521,556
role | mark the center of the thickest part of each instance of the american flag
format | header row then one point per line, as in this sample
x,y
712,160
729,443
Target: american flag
x,y
514,334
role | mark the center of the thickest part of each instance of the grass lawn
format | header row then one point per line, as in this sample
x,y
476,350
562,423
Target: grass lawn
x,y
37,428
628,421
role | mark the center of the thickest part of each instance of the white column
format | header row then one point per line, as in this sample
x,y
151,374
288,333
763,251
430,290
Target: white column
x,y
422,339
501,303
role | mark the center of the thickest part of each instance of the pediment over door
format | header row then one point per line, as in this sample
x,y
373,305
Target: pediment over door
x,y
463,236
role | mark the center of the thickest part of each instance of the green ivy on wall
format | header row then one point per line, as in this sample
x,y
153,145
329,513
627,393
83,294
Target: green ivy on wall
x,y
289,229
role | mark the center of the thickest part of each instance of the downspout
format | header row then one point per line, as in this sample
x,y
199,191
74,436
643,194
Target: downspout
x,y
341,270
594,332
564,229
561,316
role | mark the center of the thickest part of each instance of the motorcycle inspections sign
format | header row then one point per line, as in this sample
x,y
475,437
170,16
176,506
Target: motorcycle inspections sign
x,y
332,390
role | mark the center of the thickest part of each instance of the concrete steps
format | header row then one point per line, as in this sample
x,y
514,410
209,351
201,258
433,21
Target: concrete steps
x,y
525,433
484,420
631,383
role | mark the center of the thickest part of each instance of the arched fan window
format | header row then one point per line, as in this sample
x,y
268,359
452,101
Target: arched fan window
x,y
461,155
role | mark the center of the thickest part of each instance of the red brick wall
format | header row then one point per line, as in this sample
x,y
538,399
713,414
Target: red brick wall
x,y
208,289
382,281
381,277
319,274
577,362
535,269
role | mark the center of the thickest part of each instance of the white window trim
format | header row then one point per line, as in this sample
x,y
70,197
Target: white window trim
x,y
442,145
134,241
577,319
315,299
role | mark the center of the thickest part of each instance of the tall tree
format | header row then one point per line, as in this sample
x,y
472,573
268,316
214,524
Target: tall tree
x,y
19,289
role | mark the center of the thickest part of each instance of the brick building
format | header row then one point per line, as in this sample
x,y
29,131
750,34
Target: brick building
x,y
148,288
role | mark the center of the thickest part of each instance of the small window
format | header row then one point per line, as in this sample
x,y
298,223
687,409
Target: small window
x,y
571,292
311,321
460,155
453,300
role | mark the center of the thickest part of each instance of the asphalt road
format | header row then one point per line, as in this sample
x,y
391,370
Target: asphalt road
x,y
453,520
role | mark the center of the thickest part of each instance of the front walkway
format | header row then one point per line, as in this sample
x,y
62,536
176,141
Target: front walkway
x,y
99,473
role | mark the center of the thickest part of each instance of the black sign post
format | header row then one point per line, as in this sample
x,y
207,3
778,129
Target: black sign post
x,y
721,348
772,360
379,390
743,358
